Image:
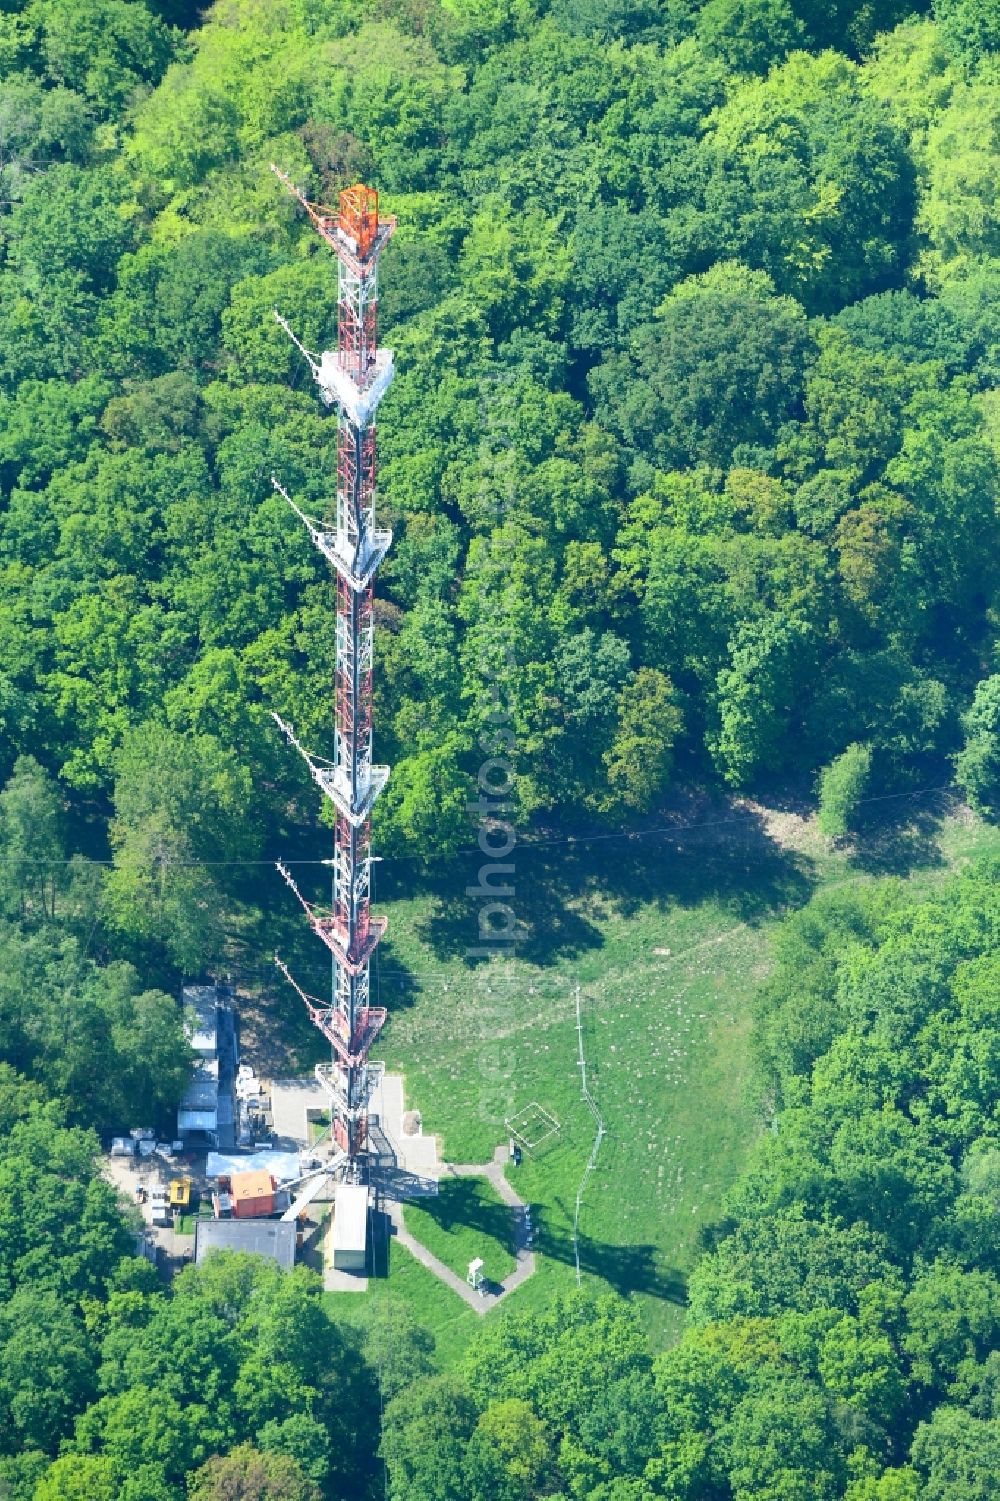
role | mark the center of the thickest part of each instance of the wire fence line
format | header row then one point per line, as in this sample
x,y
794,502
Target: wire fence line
x,y
600,1133
675,830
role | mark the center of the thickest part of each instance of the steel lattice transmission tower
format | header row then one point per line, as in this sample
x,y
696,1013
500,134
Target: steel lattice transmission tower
x,y
355,377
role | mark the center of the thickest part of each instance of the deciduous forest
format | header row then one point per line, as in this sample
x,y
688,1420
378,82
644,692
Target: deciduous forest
x,y
691,457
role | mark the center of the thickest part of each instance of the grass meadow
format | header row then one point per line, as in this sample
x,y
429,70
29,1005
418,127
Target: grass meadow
x,y
668,936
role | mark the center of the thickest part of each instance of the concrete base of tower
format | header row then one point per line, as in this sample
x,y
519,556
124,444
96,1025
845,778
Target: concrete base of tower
x,y
344,1282
416,1154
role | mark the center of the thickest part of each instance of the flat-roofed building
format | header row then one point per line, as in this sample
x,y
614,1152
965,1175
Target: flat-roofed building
x,y
270,1238
201,1018
350,1228
199,1106
207,1109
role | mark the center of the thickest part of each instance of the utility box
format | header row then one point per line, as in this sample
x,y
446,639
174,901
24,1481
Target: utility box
x,y
350,1228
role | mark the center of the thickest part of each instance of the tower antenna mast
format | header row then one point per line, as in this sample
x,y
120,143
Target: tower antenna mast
x,y
354,378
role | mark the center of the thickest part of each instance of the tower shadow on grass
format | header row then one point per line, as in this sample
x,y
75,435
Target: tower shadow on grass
x,y
378,1249
468,1203
626,1269
282,1039
559,888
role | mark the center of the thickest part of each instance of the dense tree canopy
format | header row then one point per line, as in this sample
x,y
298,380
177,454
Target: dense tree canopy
x,y
691,463
690,309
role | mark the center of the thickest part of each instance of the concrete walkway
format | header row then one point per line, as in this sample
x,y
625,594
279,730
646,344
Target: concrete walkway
x,y
416,1175
524,1256
416,1154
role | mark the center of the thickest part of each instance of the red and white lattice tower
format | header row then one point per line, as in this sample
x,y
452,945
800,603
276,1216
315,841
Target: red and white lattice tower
x,y
354,378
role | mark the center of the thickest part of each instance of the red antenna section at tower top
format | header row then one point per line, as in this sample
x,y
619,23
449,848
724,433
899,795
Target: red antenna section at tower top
x,y
359,216
355,231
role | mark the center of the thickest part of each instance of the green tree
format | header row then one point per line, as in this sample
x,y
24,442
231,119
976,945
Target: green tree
x,y
953,1316
911,72
855,401
105,50
69,231
849,24
427,798
78,1477
977,766
787,1261
640,757
807,179
947,471
47,1369
507,1454
146,1432
39,125
178,802
301,1438
971,30
842,786
891,1485
749,35
715,376
167,309
955,1454
958,216
424,1434
18,1097
757,697
61,1223
515,268
781,1446
247,1474
910,328
48,425
31,840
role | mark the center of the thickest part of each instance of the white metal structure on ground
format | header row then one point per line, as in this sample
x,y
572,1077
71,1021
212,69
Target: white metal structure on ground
x,y
599,1137
532,1125
315,1182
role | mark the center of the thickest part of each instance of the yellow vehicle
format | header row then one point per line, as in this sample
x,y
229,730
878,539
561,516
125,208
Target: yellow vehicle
x,y
180,1195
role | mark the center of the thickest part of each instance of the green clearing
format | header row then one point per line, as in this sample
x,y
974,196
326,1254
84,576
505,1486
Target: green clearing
x,y
668,937
409,1287
467,1218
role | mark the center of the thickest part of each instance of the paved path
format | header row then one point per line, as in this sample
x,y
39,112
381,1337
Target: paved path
x,y
416,1154
524,1256
433,1264
523,1230
417,1173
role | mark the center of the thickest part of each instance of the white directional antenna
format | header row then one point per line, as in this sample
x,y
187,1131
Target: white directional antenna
x,y
314,359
